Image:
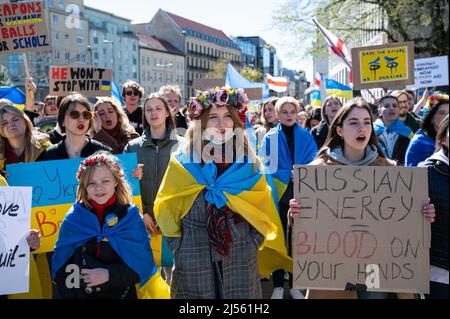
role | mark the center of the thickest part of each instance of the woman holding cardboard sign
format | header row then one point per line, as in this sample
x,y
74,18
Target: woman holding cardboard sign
x,y
352,141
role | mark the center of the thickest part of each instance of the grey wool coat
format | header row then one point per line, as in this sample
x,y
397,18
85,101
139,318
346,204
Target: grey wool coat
x,y
197,273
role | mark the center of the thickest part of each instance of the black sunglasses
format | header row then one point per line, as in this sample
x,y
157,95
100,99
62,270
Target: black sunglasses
x,y
130,93
76,114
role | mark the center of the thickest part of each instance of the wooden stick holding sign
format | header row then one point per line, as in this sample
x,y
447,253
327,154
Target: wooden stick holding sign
x,y
361,226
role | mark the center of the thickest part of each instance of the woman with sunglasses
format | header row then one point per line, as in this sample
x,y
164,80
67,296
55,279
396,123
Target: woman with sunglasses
x,y
111,126
74,119
132,93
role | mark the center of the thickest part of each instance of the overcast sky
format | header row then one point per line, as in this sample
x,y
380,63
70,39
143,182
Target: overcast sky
x,y
233,17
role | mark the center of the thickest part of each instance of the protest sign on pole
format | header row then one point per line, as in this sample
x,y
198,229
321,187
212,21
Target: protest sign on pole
x,y
430,72
15,207
361,226
383,66
23,27
89,81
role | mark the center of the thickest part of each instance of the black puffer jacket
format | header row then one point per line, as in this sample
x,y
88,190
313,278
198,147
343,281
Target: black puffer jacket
x,y
438,190
320,132
122,279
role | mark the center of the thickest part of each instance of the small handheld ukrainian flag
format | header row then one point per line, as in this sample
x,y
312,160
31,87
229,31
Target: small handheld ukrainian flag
x,y
106,85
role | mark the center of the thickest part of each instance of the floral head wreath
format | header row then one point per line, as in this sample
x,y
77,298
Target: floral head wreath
x,y
218,97
435,99
97,160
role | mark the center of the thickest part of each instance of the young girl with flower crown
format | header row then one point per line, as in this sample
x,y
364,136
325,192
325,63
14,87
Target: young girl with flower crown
x,y
216,207
103,237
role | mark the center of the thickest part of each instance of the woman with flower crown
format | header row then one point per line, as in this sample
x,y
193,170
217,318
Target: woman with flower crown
x,y
216,207
103,249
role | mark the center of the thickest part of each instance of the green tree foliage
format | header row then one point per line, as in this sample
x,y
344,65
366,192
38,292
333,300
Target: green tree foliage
x,y
251,74
423,21
219,71
5,80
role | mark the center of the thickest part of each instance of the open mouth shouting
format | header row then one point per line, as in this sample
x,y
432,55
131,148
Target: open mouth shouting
x,y
80,127
361,139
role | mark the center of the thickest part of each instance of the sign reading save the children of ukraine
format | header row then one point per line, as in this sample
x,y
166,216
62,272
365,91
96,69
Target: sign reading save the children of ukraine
x,y
361,227
23,28
54,191
89,81
15,207
383,66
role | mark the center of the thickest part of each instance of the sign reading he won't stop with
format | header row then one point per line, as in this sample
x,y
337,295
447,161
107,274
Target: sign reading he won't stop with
x,y
361,225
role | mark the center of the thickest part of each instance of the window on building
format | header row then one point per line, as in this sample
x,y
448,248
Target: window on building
x,y
57,55
55,19
56,35
196,48
66,36
67,56
95,40
95,55
80,41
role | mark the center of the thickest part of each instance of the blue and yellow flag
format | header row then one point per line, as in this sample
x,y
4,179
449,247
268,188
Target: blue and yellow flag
x,y
315,98
128,238
338,89
243,190
278,158
398,126
14,95
106,85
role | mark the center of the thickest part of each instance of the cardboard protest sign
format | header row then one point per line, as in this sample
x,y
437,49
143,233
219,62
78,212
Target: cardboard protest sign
x,y
430,72
15,207
383,66
89,81
23,27
361,225
54,191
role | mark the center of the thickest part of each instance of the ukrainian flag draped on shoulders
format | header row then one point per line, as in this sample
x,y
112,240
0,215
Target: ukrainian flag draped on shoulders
x,y
277,155
397,127
128,238
244,190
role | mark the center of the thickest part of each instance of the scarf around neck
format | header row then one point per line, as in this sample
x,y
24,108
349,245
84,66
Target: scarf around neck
x,y
338,155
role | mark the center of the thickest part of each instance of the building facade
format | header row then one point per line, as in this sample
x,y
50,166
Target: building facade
x,y
160,64
202,45
113,44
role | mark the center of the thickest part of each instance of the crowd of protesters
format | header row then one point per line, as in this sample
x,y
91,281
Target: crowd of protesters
x,y
215,237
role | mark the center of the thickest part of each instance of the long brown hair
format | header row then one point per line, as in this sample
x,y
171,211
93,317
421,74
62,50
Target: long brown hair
x,y
170,122
197,146
333,139
322,108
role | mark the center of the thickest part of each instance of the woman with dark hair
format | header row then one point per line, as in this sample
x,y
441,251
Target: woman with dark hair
x,y
422,145
153,149
437,165
329,108
351,141
75,120
111,125
314,118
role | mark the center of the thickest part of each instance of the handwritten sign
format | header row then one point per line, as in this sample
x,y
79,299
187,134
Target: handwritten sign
x,y
89,81
383,66
430,72
54,191
23,28
361,225
15,211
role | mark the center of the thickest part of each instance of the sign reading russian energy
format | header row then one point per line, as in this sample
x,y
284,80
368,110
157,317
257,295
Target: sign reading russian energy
x,y
15,206
89,81
23,28
361,226
383,66
54,191
430,72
